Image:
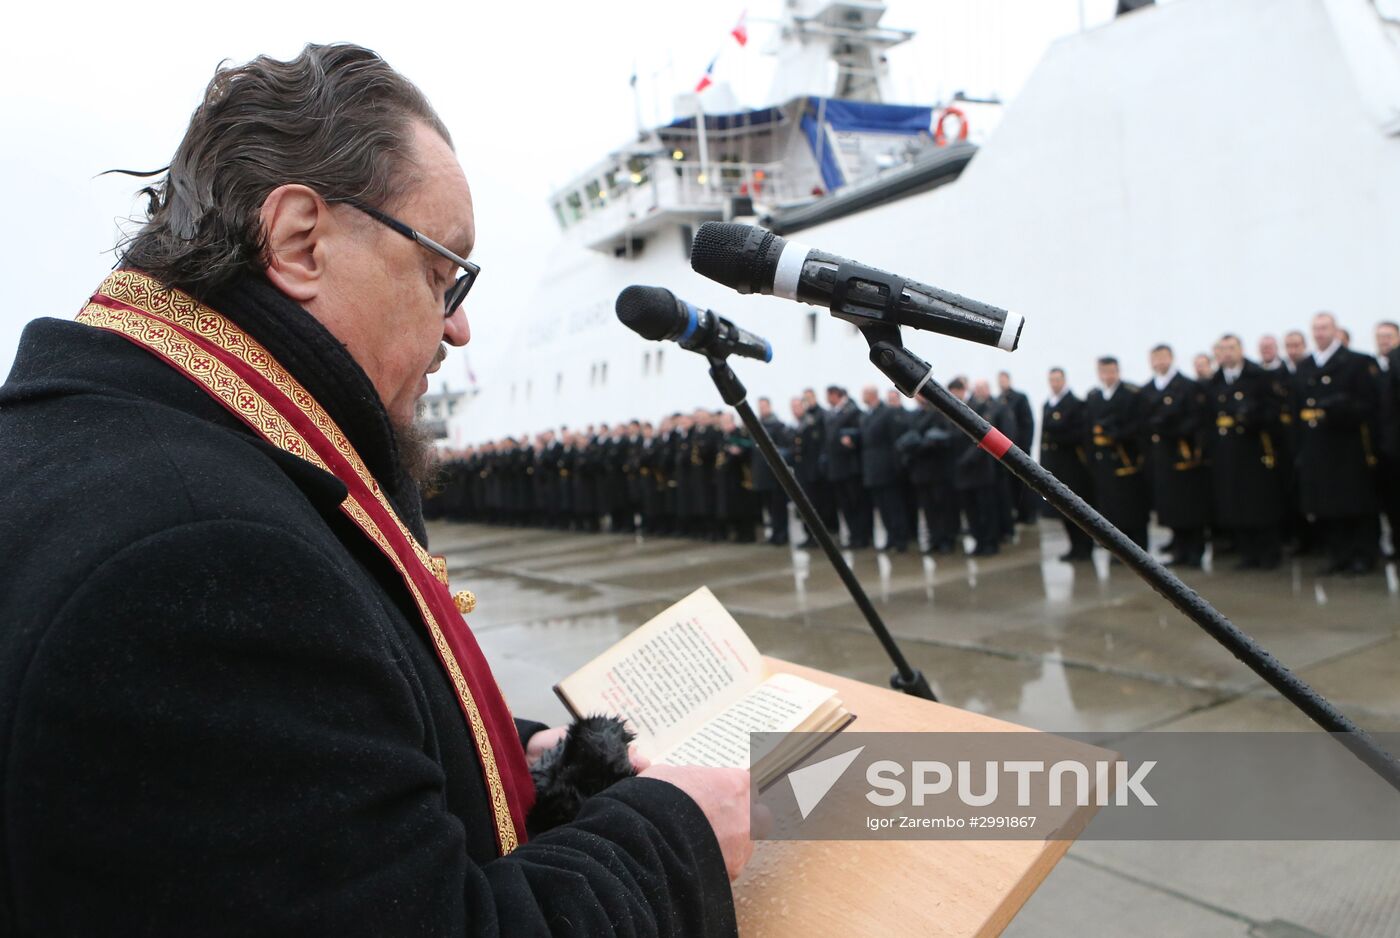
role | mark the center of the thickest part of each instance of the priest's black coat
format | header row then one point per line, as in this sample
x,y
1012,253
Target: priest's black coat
x,y
220,711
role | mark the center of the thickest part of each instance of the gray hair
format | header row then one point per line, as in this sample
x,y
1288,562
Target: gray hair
x,y
337,119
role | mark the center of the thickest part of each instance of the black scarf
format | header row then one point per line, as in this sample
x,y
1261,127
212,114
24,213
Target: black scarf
x,y
325,367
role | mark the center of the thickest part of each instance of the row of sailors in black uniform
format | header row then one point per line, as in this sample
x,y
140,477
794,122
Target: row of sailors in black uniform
x,y
699,474
1302,451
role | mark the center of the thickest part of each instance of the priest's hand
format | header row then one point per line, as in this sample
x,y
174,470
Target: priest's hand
x,y
723,794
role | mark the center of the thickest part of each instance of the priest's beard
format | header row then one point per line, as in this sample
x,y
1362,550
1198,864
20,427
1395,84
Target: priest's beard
x,y
418,457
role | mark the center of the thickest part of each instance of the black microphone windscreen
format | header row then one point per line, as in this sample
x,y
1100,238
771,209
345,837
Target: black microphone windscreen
x,y
650,312
733,255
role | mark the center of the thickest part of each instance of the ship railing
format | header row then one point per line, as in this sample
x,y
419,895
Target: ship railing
x,y
690,183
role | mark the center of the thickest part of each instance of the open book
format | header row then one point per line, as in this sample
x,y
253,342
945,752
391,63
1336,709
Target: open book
x,y
692,687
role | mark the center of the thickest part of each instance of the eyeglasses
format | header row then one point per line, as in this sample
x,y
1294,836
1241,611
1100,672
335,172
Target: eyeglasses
x,y
455,293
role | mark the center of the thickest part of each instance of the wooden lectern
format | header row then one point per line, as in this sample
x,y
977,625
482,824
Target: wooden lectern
x,y
892,888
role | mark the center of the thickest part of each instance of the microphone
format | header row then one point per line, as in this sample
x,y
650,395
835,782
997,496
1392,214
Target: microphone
x,y
657,313
750,259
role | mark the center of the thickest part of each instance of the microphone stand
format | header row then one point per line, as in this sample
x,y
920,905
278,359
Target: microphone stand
x,y
908,679
912,375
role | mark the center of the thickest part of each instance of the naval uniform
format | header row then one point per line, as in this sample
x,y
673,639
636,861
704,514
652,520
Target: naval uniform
x,y
976,477
766,486
1388,443
1174,409
843,466
1064,454
809,465
1116,460
1336,399
880,427
926,449
1026,502
1246,473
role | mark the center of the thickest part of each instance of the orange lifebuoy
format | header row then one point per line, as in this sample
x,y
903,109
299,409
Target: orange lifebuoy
x,y
940,138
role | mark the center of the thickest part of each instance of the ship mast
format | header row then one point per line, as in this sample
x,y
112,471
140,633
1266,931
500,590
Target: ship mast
x,y
814,35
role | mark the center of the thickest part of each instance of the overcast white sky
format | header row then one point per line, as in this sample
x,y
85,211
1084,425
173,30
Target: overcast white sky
x,y
533,92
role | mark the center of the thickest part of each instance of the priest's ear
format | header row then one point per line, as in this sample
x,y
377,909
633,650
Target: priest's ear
x,y
296,225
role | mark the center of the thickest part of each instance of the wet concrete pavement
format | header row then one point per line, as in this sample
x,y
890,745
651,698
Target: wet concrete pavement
x,y
1021,637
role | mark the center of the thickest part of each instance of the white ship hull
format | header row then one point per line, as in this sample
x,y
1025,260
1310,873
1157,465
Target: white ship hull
x,y
1201,167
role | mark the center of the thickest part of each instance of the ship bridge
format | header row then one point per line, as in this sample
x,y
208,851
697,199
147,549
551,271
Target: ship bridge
x,y
739,163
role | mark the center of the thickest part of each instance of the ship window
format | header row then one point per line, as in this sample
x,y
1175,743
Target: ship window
x,y
629,248
638,166
575,202
595,194
603,373
812,328
559,215
592,374
646,364
658,361
611,180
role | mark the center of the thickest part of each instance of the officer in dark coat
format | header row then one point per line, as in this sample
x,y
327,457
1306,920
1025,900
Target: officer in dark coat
x,y
585,480
975,471
703,443
736,507
1064,454
1113,412
549,466
809,460
683,481
1388,431
648,489
668,478
1293,528
1174,409
766,487
841,447
880,426
1246,477
612,491
926,449
1025,503
632,476
1336,402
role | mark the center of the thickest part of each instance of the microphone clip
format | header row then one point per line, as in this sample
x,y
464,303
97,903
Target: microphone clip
x,y
863,297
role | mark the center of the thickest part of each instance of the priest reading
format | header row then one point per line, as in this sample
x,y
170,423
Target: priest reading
x,y
236,693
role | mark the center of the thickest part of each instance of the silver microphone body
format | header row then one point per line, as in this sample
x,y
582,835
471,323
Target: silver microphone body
x,y
750,259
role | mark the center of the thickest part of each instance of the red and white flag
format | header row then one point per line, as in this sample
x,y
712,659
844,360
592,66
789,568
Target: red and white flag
x,y
707,79
740,32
